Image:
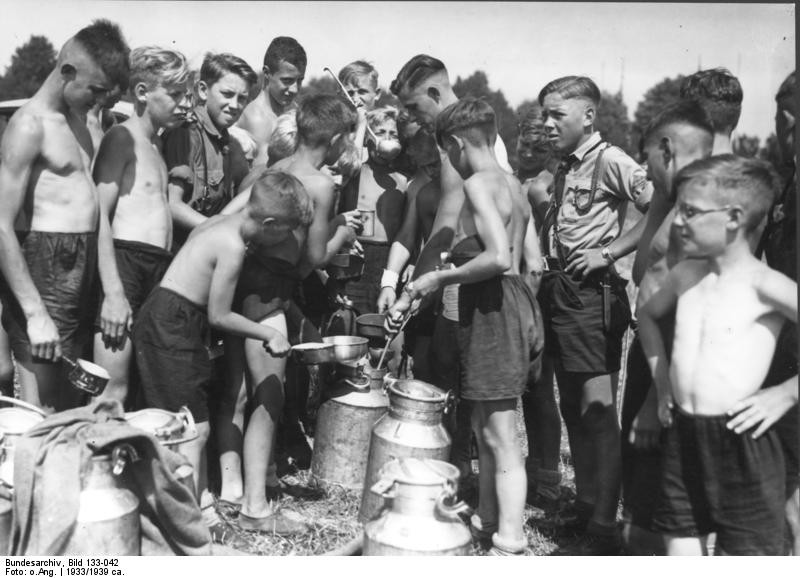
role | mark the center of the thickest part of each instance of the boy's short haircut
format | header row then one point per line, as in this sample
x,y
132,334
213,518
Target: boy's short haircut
x,y
378,116
154,66
283,141
416,71
687,112
750,183
785,95
103,42
285,48
359,69
282,196
321,117
215,66
531,125
472,118
719,92
572,87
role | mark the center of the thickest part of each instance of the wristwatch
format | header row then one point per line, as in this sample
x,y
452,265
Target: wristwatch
x,y
605,253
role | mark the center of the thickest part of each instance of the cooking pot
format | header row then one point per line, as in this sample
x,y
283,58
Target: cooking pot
x,y
347,348
87,376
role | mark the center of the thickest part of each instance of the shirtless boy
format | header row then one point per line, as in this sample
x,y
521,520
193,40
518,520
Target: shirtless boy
x,y
324,127
678,135
197,292
49,212
496,329
284,71
729,309
135,233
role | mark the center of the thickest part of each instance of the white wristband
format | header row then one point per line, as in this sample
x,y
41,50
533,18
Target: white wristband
x,y
389,279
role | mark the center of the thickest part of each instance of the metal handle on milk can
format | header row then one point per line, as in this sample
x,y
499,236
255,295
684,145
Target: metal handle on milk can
x,y
187,416
450,510
449,402
388,381
362,383
383,488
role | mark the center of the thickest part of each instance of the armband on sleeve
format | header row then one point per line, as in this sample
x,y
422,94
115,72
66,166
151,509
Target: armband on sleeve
x,y
389,279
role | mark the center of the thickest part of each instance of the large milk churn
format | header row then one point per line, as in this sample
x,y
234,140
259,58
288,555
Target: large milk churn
x,y
412,428
420,517
344,423
14,421
108,514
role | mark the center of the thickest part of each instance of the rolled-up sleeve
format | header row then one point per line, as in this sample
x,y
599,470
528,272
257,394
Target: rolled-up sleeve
x,y
177,156
630,179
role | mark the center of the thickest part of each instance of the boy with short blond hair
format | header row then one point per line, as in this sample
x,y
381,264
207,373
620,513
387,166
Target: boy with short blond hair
x,y
496,329
135,221
729,309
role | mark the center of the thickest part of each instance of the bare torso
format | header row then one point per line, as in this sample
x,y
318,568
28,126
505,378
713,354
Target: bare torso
x,y
514,212
142,211
259,120
60,196
724,337
384,193
191,270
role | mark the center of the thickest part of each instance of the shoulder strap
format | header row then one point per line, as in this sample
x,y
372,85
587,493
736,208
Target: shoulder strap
x,y
599,170
205,160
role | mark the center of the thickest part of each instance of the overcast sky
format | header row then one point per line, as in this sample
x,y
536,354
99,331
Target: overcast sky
x,y
521,46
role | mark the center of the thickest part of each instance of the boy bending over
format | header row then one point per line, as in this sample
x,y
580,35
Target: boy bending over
x,y
729,309
196,293
496,319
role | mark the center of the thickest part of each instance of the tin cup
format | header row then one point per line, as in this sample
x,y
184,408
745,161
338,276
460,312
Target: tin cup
x,y
367,223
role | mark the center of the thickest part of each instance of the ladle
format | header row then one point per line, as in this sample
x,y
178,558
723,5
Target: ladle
x,y
384,149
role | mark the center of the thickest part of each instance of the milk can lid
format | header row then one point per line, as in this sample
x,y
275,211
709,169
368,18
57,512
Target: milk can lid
x,y
417,390
420,471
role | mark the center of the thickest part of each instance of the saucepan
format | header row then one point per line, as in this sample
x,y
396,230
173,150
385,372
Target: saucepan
x,y
87,376
169,428
313,353
347,348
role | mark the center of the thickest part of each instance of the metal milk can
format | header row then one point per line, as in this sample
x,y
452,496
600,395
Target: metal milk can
x,y
14,421
6,517
344,423
421,515
412,428
108,514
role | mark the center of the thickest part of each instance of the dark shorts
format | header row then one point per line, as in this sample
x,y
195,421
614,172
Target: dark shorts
x,y
171,339
265,286
141,267
63,269
497,332
784,366
443,355
575,334
641,469
715,480
364,291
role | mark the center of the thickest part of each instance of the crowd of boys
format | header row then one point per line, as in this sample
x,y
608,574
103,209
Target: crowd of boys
x,y
186,249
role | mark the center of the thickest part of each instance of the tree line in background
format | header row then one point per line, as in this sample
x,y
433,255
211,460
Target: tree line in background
x,y
33,61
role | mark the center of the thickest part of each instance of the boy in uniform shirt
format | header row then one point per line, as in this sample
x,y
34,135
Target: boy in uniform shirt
x,y
583,299
729,310
135,221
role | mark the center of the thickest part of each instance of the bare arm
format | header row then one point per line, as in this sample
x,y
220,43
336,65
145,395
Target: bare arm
x,y
778,291
182,213
115,153
532,255
661,303
220,299
19,150
400,251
